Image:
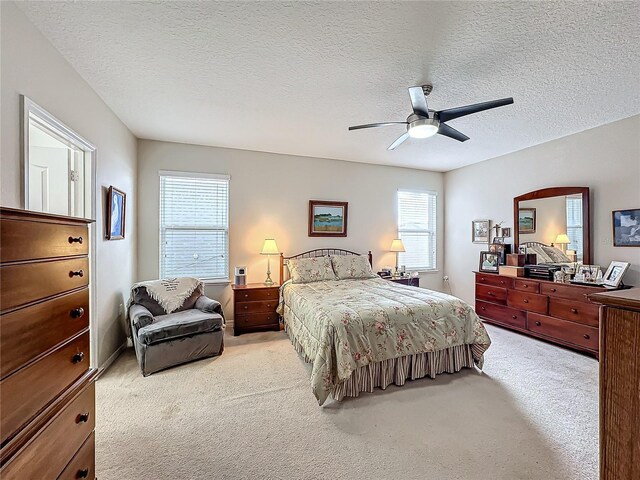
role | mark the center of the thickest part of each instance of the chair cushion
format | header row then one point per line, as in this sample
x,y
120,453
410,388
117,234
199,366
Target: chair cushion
x,y
180,324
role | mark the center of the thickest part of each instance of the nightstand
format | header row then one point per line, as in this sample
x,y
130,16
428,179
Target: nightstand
x,y
410,281
254,308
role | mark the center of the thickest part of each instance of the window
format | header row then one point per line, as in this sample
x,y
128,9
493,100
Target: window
x,y
194,225
574,224
417,229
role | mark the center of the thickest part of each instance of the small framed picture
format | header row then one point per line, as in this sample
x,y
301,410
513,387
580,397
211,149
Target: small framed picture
x,y
116,206
480,231
506,232
500,249
498,240
626,228
522,249
527,220
327,219
614,274
489,262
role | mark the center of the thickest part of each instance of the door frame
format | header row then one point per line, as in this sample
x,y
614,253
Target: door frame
x,y
30,109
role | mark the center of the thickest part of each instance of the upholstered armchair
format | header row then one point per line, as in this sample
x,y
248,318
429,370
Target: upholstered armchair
x,y
193,328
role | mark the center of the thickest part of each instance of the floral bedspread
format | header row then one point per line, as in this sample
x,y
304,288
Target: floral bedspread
x,y
346,324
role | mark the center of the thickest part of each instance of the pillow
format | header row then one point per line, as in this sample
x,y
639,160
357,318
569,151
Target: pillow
x,y
541,254
307,270
352,266
556,255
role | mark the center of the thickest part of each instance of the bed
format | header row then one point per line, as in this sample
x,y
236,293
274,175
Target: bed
x,y
363,333
548,254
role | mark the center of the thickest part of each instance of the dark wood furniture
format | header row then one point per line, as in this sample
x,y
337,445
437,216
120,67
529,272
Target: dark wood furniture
x,y
557,312
619,384
254,308
410,281
556,192
46,389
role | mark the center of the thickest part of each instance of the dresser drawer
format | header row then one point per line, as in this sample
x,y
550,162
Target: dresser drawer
x,y
256,320
526,285
255,307
83,463
580,312
27,391
495,280
530,302
28,240
491,294
31,331
29,282
51,449
570,292
255,294
571,332
504,315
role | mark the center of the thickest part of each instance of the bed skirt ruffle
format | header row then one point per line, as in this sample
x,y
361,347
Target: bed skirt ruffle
x,y
398,370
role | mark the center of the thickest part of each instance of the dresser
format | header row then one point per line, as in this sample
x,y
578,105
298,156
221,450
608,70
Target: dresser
x,y
619,384
47,398
254,308
558,312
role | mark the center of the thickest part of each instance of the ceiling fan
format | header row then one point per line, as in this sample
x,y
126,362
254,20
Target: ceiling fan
x,y
423,123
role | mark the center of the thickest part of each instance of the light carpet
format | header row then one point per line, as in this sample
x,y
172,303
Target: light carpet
x,y
250,414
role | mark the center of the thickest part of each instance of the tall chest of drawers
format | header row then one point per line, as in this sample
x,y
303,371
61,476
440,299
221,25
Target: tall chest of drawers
x,y
47,398
556,312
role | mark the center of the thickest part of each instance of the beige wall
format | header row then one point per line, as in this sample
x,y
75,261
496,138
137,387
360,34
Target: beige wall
x,y
551,219
606,159
269,195
33,67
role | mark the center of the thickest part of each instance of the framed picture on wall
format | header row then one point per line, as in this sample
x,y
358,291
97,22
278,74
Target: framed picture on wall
x,y
116,205
327,219
527,220
480,231
626,228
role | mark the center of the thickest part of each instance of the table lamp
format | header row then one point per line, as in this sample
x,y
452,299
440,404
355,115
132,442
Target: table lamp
x,y
269,248
397,246
563,241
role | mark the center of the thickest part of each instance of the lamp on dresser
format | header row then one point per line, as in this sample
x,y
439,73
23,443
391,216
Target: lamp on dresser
x,y
562,240
269,248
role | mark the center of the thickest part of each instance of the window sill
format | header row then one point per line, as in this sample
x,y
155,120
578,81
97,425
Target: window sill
x,y
215,282
423,272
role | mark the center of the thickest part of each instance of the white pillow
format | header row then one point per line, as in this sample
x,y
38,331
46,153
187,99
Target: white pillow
x,y
307,270
352,266
556,255
542,257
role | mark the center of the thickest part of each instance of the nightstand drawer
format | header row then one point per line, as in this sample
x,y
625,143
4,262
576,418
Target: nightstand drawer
x,y
257,294
255,307
242,321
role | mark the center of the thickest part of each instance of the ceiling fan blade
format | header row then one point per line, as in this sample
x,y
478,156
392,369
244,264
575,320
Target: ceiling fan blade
x,y
451,113
419,101
447,131
372,125
398,141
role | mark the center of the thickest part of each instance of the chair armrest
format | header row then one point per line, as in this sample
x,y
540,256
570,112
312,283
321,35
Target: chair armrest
x,y
208,305
139,317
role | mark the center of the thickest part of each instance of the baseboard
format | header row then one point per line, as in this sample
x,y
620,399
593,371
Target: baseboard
x,y
105,366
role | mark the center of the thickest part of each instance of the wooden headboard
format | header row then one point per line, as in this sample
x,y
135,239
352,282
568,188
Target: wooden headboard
x,y
526,244
318,252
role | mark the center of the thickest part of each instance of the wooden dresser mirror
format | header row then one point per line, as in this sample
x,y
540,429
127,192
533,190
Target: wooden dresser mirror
x,y
557,216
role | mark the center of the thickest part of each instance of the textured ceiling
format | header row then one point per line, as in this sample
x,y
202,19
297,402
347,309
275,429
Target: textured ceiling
x,y
291,77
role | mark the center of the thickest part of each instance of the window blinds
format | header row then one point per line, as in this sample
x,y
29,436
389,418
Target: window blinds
x,y
417,229
194,225
574,223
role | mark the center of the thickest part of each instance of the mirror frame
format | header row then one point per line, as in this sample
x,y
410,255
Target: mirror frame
x,y
556,192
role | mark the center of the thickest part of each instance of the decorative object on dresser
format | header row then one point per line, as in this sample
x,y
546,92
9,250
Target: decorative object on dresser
x,y
515,259
397,246
269,248
619,384
254,308
116,209
511,271
328,219
241,276
559,313
626,228
47,394
563,240
502,250
480,231
614,274
489,262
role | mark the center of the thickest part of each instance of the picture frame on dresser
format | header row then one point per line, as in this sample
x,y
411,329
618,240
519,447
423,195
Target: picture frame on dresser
x,y
489,262
615,272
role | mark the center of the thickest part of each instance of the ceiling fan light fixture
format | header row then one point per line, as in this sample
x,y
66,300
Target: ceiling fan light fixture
x,y
423,128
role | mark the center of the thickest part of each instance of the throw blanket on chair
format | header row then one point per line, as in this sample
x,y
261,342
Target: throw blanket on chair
x,y
170,293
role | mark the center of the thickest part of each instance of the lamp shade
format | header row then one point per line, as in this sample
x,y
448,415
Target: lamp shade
x,y
269,247
562,239
397,246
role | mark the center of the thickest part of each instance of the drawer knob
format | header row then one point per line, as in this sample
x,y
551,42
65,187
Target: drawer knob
x,y
83,418
526,286
586,336
482,279
268,305
514,316
553,289
78,273
246,307
483,308
491,293
246,295
502,282
84,473
526,300
574,310
77,312
78,357
75,240
538,323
